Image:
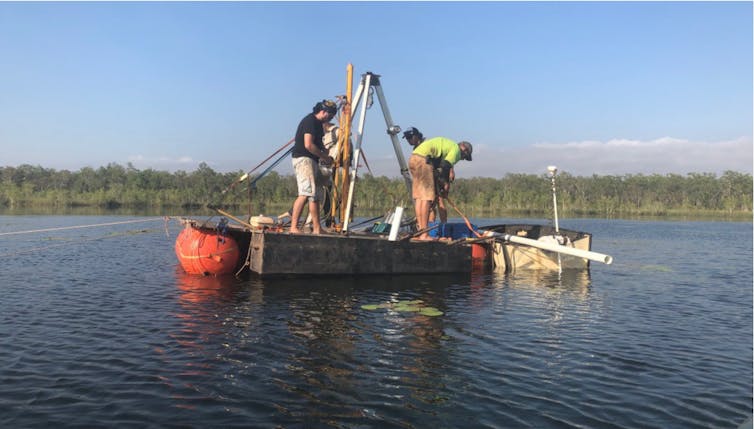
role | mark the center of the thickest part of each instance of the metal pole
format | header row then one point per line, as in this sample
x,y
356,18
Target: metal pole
x,y
392,130
553,169
364,87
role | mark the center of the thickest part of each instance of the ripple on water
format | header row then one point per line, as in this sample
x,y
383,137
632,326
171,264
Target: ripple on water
x,y
620,347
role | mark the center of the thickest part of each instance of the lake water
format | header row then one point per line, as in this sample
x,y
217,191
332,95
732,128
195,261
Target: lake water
x,y
101,328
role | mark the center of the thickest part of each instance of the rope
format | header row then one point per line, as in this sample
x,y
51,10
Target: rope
x,y
67,243
268,169
63,228
270,157
247,262
246,175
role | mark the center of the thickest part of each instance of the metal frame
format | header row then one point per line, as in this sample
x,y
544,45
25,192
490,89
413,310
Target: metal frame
x,y
363,97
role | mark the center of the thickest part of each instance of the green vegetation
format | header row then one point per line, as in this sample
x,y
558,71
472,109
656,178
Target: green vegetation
x,y
115,186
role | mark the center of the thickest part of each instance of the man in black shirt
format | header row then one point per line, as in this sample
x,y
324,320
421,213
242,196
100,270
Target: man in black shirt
x,y
307,153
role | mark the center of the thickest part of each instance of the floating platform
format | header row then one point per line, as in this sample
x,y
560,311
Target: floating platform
x,y
281,253
270,253
274,252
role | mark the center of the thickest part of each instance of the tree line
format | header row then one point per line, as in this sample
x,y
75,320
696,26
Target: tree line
x,y
115,186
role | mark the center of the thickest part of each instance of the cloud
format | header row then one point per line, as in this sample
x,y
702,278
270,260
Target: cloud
x,y
615,157
162,163
580,158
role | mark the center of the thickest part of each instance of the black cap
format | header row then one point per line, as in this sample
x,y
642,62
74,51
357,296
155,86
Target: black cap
x,y
326,105
410,132
469,149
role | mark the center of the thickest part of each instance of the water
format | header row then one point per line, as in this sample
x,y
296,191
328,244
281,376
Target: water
x,y
99,327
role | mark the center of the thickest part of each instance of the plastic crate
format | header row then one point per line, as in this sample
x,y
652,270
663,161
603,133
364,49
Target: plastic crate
x,y
452,230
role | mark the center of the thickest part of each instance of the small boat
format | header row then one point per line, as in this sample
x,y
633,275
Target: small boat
x,y
510,256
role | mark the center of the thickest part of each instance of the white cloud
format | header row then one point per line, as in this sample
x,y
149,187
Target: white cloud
x,y
163,162
615,157
580,158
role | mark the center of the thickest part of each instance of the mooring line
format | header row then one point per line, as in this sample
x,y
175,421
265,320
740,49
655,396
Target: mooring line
x,y
73,242
63,228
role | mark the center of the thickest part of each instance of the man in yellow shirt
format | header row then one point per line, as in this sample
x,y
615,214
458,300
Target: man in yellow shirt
x,y
441,154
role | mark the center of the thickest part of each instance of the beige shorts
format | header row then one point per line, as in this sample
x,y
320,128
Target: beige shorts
x,y
309,180
422,178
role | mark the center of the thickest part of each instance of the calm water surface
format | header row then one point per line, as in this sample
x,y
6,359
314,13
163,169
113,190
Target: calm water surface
x,y
100,328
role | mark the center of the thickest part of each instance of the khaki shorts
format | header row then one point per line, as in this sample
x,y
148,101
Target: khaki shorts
x,y
422,178
308,178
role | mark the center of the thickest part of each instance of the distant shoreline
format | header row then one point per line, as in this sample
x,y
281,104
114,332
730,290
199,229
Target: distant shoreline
x,y
116,189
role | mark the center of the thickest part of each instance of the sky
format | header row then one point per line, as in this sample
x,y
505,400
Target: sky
x,y
606,88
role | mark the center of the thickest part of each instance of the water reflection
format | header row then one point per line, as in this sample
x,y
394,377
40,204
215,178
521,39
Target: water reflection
x,y
346,355
330,359
197,289
204,307
572,282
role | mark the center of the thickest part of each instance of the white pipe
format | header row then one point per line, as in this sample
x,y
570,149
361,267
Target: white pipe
x,y
586,254
364,87
553,169
395,226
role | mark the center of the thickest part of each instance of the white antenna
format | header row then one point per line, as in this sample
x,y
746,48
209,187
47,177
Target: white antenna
x,y
553,170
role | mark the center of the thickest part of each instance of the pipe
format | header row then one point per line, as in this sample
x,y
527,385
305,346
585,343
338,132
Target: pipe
x,y
586,254
396,224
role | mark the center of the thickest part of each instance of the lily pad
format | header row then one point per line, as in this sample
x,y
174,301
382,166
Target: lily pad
x,y
412,308
430,311
659,268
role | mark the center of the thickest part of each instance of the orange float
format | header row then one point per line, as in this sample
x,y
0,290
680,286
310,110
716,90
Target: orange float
x,y
206,252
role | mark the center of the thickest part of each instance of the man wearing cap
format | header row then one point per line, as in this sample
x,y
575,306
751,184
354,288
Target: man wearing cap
x,y
307,152
436,153
414,137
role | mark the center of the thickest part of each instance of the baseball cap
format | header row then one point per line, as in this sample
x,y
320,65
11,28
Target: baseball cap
x,y
466,154
410,132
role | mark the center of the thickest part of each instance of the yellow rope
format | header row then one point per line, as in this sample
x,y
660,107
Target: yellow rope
x,y
207,256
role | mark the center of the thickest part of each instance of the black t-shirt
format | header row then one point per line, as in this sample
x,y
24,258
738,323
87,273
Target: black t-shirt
x,y
312,126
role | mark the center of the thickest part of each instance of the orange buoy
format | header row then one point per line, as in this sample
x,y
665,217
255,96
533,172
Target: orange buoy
x,y
206,252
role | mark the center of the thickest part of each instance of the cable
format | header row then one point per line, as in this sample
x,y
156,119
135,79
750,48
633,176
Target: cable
x,y
63,228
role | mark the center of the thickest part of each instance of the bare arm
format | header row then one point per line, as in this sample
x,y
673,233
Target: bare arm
x,y
314,150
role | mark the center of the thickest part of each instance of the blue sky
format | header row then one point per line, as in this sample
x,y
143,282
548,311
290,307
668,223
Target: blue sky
x,y
593,87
